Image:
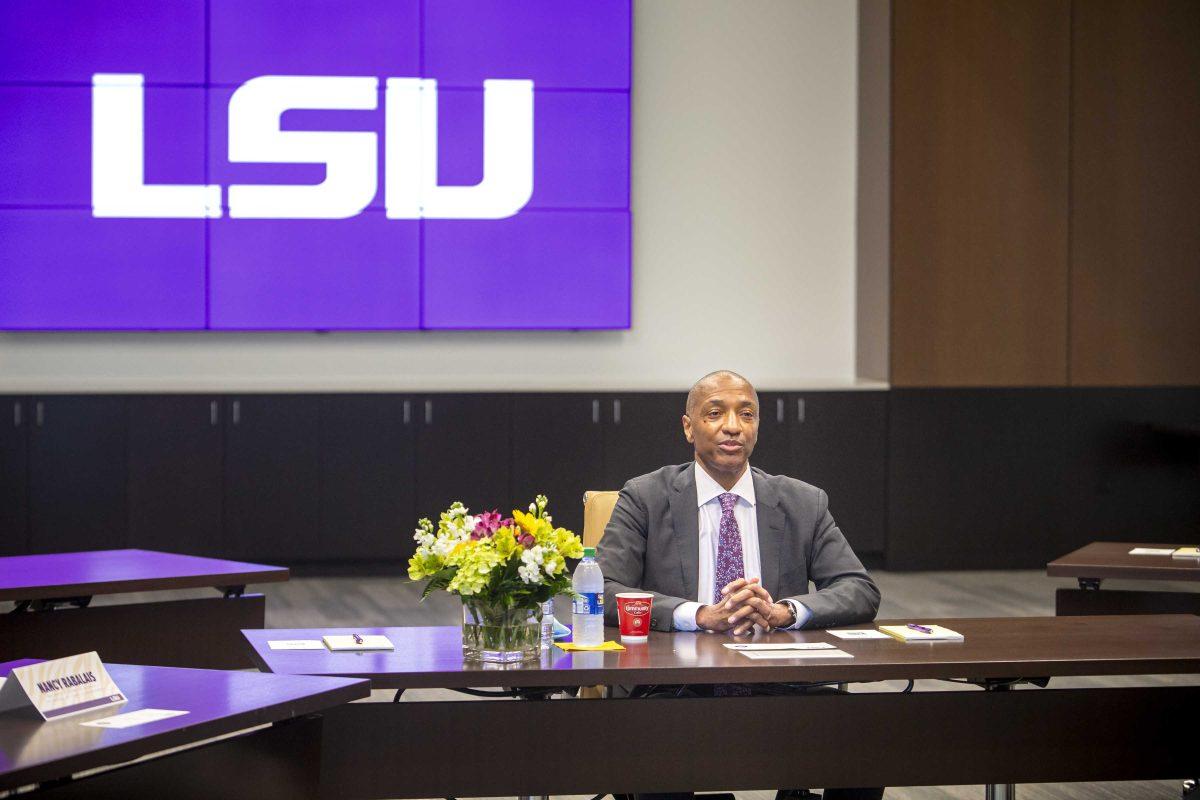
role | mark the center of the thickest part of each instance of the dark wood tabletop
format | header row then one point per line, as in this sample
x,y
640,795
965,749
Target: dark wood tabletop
x,y
217,702
1031,647
55,575
1112,560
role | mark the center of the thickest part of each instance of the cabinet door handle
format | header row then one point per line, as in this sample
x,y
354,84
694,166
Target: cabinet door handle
x,y
616,412
799,409
16,413
39,411
213,413
595,412
237,412
779,410
407,411
428,412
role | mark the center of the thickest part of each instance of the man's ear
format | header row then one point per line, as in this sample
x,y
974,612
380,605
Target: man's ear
x,y
687,429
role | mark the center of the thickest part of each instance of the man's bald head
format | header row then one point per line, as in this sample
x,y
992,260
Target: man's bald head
x,y
709,381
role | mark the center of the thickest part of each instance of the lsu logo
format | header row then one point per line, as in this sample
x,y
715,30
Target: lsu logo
x,y
411,190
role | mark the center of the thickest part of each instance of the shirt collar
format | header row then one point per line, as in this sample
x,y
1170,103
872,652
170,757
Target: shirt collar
x,y
707,489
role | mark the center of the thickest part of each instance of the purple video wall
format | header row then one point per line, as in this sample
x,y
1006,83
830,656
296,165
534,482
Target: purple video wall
x,y
310,164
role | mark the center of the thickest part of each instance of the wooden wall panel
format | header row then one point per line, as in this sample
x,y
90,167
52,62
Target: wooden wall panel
x,y
1135,185
980,102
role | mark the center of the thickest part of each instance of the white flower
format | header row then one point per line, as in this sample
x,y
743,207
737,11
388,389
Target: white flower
x,y
530,573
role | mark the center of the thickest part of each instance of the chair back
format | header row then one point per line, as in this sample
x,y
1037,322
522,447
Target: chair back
x,y
597,508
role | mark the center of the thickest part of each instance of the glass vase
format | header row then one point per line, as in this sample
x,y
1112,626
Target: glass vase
x,y
496,634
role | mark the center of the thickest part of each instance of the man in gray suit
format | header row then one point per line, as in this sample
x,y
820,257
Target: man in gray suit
x,y
724,546
717,542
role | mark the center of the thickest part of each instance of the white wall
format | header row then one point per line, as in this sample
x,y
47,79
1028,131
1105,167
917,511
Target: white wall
x,y
744,140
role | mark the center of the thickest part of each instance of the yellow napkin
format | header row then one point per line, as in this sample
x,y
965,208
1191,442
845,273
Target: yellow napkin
x,y
569,646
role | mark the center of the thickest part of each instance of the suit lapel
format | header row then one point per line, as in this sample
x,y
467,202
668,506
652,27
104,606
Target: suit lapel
x,y
685,520
770,532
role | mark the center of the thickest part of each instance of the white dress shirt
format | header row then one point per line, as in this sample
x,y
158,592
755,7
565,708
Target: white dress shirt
x,y
708,492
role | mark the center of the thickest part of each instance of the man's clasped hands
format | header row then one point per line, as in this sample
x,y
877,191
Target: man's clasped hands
x,y
745,606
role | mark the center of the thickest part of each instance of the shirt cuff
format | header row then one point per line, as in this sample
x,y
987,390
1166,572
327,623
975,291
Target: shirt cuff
x,y
684,616
802,612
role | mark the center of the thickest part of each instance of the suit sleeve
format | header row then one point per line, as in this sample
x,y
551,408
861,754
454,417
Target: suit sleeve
x,y
621,554
845,593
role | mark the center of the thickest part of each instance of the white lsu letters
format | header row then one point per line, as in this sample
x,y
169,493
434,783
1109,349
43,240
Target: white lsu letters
x,y
411,190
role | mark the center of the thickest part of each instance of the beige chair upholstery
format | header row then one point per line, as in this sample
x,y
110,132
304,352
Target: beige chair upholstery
x,y
597,508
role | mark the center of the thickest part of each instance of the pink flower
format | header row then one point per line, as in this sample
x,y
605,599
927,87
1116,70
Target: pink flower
x,y
487,524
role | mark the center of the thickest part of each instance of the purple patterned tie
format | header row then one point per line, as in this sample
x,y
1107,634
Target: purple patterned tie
x,y
730,567
729,548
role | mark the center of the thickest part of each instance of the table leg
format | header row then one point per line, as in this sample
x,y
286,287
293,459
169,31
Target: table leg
x,y
999,791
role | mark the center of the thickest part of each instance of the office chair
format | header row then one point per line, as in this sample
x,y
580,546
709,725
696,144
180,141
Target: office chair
x,y
597,508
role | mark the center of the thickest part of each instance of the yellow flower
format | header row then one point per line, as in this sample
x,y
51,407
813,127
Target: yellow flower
x,y
505,542
528,522
568,543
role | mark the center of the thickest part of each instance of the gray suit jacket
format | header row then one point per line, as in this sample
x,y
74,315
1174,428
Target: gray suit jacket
x,y
652,543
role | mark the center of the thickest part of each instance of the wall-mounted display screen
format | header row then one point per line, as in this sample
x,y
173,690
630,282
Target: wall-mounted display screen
x,y
306,164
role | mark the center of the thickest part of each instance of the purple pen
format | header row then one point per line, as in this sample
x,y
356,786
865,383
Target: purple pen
x,y
920,628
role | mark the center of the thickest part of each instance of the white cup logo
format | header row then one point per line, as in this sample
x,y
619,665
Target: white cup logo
x,y
637,608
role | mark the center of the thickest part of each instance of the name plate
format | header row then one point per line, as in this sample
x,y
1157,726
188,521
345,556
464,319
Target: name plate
x,y
61,687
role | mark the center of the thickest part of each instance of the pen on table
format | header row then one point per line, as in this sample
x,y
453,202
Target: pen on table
x,y
920,628
357,638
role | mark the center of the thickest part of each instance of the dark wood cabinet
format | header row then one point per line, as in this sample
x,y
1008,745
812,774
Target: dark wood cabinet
x,y
977,479
927,478
558,451
367,478
175,465
463,443
839,443
272,477
14,475
77,473
1135,472
642,432
773,453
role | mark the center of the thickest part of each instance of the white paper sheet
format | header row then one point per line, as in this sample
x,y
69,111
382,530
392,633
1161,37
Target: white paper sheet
x,y
132,718
869,633
1152,551
763,654
296,644
780,646
350,644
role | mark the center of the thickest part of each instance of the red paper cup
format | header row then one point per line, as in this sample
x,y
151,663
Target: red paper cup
x,y
633,614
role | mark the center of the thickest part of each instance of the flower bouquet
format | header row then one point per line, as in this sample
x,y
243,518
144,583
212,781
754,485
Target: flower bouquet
x,y
504,569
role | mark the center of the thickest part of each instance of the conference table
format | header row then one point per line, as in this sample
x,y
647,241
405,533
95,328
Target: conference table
x,y
54,616
1098,561
998,736
267,733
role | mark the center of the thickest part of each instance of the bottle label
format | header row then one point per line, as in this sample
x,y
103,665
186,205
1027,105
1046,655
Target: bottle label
x,y
589,603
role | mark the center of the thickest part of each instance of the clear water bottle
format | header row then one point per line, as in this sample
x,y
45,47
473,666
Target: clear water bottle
x,y
547,624
588,617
